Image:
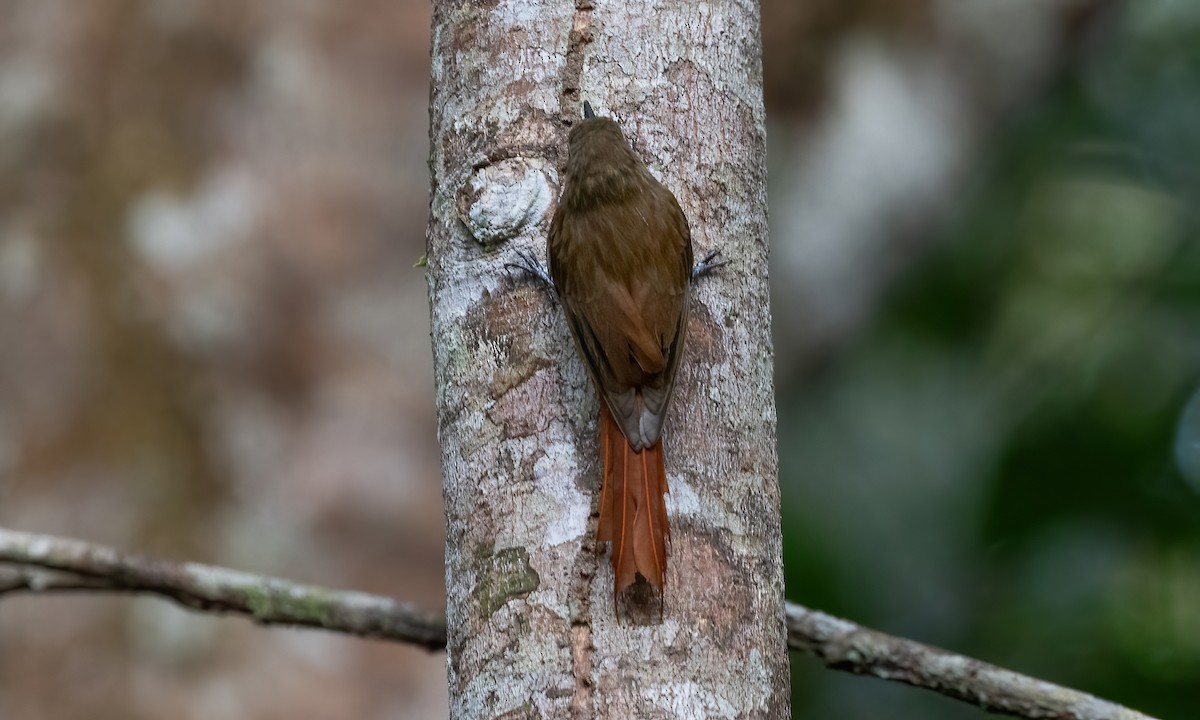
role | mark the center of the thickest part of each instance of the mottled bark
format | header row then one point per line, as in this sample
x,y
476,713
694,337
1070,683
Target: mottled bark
x,y
532,629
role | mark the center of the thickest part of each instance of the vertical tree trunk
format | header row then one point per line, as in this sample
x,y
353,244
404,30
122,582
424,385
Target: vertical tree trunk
x,y
532,629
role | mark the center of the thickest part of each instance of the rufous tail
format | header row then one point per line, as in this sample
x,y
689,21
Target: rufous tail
x,y
633,513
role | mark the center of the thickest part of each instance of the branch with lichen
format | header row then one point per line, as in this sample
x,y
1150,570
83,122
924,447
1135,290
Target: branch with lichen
x,y
45,564
843,645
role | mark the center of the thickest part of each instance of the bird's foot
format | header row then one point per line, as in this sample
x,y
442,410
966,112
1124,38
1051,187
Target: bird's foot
x,y
707,264
528,264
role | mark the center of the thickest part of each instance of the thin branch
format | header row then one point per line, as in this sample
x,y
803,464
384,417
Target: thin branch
x,y
63,565
843,645
268,601
13,580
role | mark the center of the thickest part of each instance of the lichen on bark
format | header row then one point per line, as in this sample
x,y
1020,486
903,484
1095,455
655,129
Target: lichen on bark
x,y
503,575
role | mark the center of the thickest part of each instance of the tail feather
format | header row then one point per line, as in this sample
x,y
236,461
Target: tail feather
x,y
633,513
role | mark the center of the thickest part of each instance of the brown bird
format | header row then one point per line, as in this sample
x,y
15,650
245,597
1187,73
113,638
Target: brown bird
x,y
621,262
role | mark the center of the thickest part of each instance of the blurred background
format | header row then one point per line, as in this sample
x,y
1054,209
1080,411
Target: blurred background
x,y
214,345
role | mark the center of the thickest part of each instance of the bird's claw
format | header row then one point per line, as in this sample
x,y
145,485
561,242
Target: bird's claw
x,y
707,264
530,266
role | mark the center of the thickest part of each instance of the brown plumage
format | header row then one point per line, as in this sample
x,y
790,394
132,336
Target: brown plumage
x,y
621,260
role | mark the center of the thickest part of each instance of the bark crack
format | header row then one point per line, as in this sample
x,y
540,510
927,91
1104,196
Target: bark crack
x,y
579,38
581,624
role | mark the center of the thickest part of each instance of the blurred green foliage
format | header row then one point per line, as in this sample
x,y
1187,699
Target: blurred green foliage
x,y
995,465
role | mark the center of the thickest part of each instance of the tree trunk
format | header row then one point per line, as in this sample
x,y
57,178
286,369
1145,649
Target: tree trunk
x,y
532,627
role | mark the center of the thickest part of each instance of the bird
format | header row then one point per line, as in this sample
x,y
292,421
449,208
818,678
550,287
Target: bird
x,y
621,265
